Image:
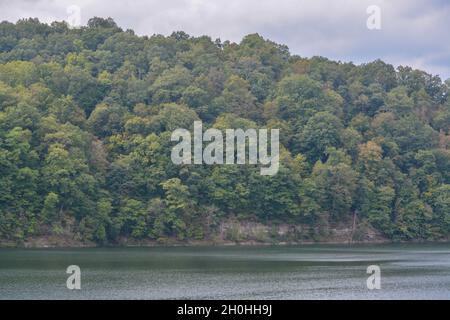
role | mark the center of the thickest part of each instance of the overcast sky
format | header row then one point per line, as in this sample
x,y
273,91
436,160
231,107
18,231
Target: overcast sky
x,y
413,32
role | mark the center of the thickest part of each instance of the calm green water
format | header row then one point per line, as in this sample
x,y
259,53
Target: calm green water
x,y
286,272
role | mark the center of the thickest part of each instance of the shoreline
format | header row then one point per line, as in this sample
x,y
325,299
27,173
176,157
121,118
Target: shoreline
x,y
230,233
199,244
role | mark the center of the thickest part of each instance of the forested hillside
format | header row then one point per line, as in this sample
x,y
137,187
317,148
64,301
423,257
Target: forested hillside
x,y
86,116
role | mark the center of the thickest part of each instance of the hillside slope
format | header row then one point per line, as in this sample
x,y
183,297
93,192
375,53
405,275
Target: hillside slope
x,y
86,117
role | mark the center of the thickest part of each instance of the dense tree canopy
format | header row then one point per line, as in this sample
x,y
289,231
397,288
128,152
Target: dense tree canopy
x,y
86,116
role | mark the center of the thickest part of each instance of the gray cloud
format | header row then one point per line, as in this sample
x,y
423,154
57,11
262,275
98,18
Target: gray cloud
x,y
413,32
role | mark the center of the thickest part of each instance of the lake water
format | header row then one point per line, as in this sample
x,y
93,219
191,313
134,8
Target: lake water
x,y
238,272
